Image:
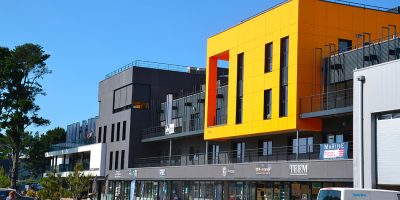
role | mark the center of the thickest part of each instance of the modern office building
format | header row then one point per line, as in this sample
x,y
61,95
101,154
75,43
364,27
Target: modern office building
x,y
281,124
80,147
130,100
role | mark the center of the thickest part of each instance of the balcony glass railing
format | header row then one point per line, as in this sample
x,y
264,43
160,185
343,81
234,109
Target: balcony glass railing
x,y
73,144
283,153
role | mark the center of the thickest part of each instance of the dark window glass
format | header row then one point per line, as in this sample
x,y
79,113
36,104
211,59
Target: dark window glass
x,y
112,132
329,195
239,88
344,45
105,134
110,161
267,104
123,130
122,159
264,147
116,159
284,62
99,135
141,96
118,130
268,58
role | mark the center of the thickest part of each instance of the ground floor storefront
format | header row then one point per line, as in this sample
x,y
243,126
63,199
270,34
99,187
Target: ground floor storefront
x,y
217,190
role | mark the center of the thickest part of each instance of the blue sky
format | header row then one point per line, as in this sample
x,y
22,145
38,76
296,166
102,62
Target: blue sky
x,y
88,39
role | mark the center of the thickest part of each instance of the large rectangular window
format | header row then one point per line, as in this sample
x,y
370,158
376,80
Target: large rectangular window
x,y
306,145
267,104
239,88
110,161
123,130
268,58
122,159
116,159
112,132
105,134
99,135
118,130
283,89
264,147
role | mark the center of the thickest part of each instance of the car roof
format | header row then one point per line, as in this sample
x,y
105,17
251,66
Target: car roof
x,y
357,189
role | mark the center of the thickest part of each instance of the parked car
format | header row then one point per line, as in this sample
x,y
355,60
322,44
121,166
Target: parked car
x,y
357,194
4,193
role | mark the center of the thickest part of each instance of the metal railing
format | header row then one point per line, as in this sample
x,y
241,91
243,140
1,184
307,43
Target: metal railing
x,y
283,153
157,131
361,5
154,65
327,101
73,144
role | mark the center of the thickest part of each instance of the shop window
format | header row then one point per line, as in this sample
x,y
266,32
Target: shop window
x,y
305,145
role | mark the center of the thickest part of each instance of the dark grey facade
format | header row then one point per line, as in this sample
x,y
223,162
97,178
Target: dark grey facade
x,y
128,102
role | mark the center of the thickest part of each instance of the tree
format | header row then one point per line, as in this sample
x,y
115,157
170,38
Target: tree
x,y
39,145
4,180
53,187
22,68
79,183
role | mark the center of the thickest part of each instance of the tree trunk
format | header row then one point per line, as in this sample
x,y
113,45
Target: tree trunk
x,y
14,167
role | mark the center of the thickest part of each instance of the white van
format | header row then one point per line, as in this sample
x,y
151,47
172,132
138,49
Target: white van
x,y
357,194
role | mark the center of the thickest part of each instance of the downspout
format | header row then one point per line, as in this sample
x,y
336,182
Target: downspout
x,y
361,80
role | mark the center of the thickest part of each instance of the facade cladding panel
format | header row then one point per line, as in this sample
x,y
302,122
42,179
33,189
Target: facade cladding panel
x,y
380,97
309,24
147,87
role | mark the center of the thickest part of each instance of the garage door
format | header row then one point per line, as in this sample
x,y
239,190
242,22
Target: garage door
x,y
388,148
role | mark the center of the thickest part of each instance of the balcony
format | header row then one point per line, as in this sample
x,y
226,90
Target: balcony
x,y
283,153
73,144
327,104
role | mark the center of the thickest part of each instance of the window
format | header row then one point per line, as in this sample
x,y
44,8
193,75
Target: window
x,y
240,149
123,130
239,88
118,130
110,161
99,135
344,45
105,134
284,63
268,58
335,138
116,159
265,148
141,97
122,98
267,104
122,159
305,145
193,153
112,132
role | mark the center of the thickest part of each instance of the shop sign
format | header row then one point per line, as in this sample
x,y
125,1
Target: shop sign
x,y
298,169
133,173
227,171
162,172
117,174
334,151
263,169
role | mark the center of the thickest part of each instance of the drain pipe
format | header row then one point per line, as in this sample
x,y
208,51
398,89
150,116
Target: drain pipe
x,y
361,80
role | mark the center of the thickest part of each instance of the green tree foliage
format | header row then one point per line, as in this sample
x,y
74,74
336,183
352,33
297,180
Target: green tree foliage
x,y
79,184
36,162
53,187
21,70
4,180
75,186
